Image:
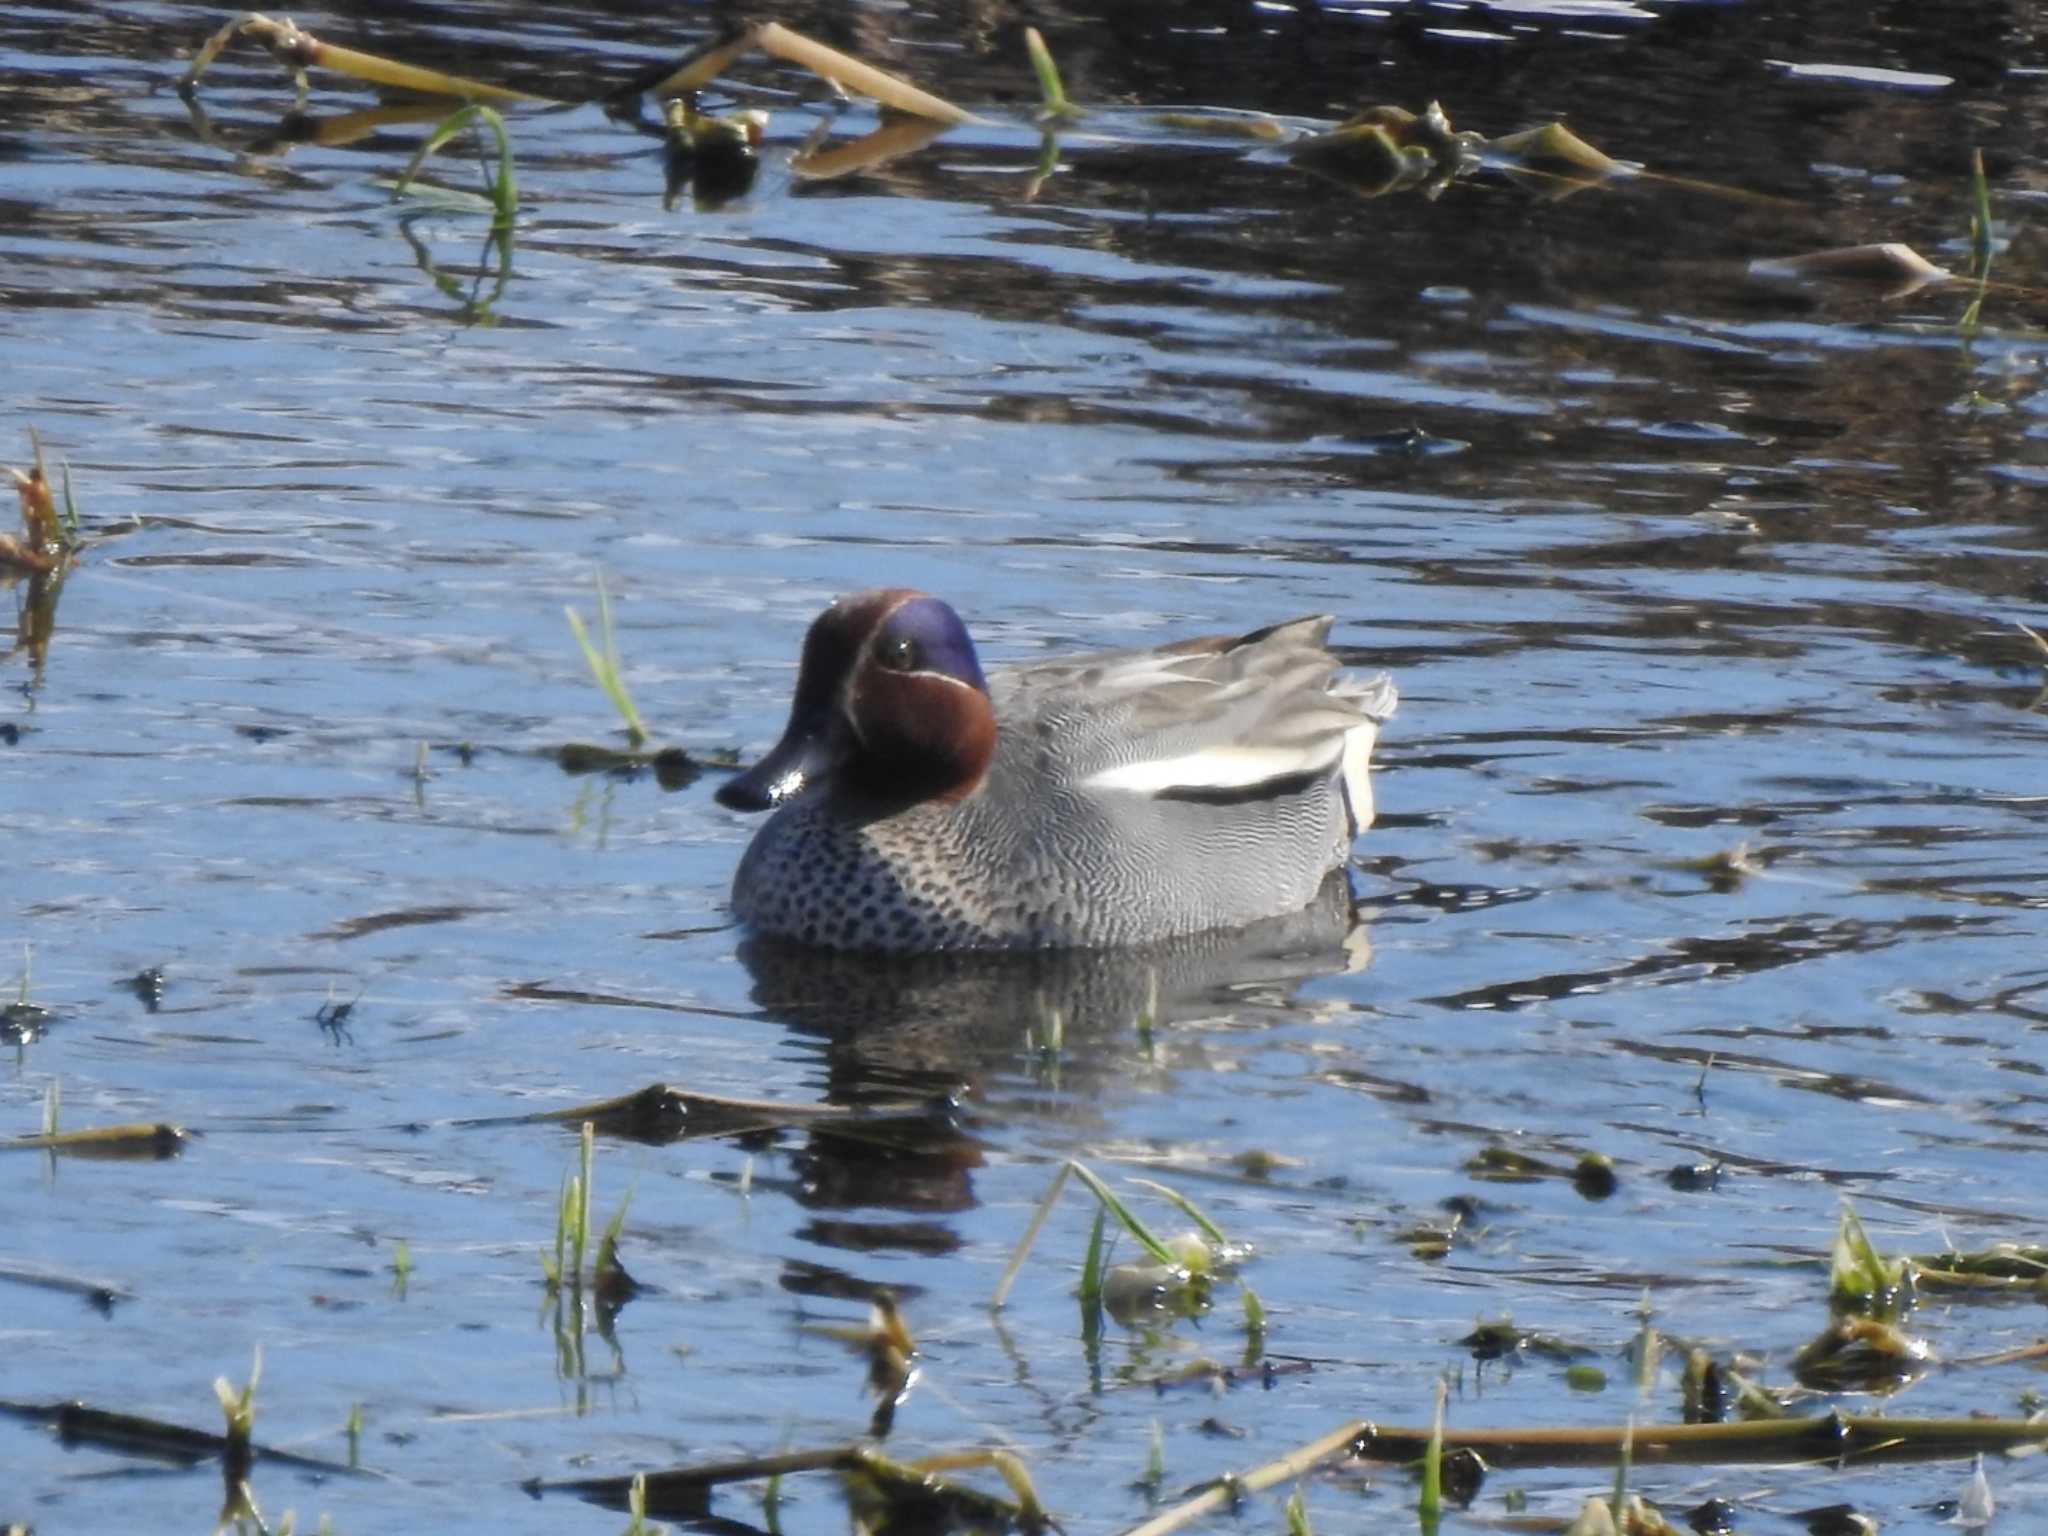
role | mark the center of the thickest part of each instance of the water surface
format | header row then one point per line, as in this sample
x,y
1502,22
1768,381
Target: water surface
x,y
1669,560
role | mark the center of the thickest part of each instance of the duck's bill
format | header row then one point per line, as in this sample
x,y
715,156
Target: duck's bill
x,y
796,762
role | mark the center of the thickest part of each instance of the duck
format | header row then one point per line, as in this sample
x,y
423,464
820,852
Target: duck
x,y
1105,800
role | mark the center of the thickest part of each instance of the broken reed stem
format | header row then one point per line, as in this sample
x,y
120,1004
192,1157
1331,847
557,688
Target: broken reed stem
x,y
1031,1230
1835,1437
843,69
677,1489
105,1141
699,68
299,50
1295,1463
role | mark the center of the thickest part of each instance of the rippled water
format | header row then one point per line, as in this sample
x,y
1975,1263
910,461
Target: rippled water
x,y
1670,561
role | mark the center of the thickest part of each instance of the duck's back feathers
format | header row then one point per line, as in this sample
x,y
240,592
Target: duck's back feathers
x,y
1221,719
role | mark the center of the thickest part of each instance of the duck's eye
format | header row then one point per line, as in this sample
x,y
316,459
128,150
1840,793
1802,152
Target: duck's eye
x,y
900,653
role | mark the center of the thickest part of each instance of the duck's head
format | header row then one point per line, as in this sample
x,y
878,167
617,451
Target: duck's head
x,y
891,709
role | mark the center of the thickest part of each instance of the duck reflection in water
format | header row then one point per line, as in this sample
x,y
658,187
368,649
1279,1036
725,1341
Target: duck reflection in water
x,y
965,1024
969,1034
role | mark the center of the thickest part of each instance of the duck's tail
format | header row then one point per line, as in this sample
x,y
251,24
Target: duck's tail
x,y
1376,698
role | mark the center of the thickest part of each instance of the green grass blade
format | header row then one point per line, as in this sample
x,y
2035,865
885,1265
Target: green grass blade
x,y
500,188
1092,1268
1254,1320
1296,1514
1429,1503
1860,1279
604,664
1140,1233
1980,216
1980,242
1187,1208
1052,94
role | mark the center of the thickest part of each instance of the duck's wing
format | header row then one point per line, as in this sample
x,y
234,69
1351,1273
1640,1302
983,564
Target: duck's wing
x,y
1226,718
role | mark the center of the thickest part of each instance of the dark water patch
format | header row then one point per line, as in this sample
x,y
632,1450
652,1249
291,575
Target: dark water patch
x,y
379,922
1707,958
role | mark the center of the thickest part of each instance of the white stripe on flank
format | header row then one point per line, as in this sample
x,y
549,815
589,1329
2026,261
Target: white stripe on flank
x,y
1358,743
1215,768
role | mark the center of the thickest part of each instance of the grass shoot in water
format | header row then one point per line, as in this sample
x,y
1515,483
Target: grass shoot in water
x,y
1296,1514
604,664
1155,1460
1053,104
501,190
1980,242
1860,1279
1429,1504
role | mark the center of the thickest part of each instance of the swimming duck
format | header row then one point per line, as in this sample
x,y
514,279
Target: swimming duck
x,y
1100,800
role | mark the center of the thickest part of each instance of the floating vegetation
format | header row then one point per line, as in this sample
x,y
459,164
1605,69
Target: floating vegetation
x,y
48,535
1861,1354
158,1440
1255,126
816,160
1593,1175
714,155
1387,148
1390,149
1431,1240
1900,268
42,554
1726,869
2002,1266
718,154
841,69
884,1341
101,1295
298,51
1862,1280
1861,1438
1378,150
148,986
21,1021
886,1494
143,1142
1502,1339
107,1143
1553,150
